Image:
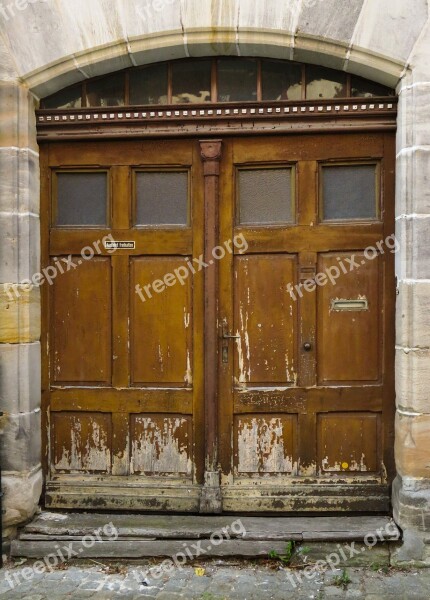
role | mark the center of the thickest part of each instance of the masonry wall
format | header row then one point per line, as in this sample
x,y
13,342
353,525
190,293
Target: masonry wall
x,y
49,44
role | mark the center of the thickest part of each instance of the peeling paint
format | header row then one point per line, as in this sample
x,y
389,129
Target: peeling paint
x,y
344,465
308,470
243,348
90,454
160,357
161,447
261,447
188,377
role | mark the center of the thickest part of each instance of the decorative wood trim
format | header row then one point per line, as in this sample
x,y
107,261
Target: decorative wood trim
x,y
231,118
211,156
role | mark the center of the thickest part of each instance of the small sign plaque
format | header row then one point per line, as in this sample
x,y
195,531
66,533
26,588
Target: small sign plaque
x,y
114,245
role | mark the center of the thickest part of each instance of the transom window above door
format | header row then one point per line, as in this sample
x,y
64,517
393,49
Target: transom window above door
x,y
212,80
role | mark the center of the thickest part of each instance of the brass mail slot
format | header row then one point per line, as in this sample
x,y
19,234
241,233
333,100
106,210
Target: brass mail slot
x,y
354,305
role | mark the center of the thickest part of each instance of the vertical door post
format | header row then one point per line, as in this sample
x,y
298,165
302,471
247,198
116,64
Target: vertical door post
x,y
211,501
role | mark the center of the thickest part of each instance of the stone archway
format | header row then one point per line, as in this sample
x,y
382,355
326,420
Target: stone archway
x,y
61,48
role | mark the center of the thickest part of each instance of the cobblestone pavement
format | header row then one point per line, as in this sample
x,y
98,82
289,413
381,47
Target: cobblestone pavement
x,y
211,580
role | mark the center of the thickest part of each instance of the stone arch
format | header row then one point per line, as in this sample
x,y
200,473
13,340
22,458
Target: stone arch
x,y
169,46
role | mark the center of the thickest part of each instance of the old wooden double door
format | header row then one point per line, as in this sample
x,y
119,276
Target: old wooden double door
x,y
218,330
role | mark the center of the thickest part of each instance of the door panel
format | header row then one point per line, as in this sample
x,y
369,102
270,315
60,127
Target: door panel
x,y
82,443
81,323
348,443
306,386
349,323
123,378
265,319
265,446
161,445
161,327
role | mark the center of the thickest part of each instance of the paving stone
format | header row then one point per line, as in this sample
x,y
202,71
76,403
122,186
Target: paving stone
x,y
241,580
332,591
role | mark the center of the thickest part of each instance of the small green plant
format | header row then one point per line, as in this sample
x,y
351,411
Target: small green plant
x,y
304,550
287,556
342,580
381,568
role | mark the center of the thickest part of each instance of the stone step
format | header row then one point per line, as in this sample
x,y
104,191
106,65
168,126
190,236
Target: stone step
x,y
92,535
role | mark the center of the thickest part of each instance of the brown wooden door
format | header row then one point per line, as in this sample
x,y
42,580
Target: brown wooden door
x,y
123,370
296,409
306,386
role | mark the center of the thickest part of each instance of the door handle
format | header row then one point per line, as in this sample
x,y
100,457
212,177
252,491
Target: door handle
x,y
226,336
224,332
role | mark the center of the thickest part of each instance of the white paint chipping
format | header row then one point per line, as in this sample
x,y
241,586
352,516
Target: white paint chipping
x,y
261,447
188,377
86,453
161,448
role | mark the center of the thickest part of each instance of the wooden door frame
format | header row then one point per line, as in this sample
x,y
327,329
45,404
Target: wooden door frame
x,y
207,125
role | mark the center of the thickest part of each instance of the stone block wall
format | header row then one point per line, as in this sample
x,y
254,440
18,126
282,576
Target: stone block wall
x,y
411,490
20,387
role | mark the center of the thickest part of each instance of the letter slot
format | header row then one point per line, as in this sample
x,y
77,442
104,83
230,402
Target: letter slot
x,y
351,305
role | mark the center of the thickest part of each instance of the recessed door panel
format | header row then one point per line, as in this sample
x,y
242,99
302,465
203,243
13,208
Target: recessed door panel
x,y
82,442
265,445
161,323
265,318
162,445
349,320
348,443
81,321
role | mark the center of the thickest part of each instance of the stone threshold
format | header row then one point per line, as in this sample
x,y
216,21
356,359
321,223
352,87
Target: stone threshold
x,y
99,535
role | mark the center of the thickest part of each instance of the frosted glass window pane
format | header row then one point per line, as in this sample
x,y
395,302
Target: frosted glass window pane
x,y
69,98
349,192
162,198
108,91
191,81
81,199
362,88
237,80
281,81
149,85
265,196
324,83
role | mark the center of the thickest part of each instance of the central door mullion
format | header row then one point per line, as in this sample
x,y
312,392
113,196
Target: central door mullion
x,y
211,501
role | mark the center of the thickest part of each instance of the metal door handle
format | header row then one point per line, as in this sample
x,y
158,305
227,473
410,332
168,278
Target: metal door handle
x,y
225,336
